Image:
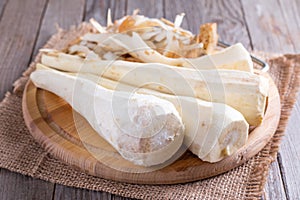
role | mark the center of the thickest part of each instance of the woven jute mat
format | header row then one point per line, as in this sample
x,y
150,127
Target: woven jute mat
x,y
20,153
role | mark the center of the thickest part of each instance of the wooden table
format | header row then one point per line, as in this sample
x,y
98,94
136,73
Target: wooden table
x,y
267,25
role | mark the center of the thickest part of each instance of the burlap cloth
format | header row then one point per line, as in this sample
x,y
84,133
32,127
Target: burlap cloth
x,y
20,153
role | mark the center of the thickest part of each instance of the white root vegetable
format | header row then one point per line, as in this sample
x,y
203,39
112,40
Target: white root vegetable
x,y
235,57
212,130
244,91
149,130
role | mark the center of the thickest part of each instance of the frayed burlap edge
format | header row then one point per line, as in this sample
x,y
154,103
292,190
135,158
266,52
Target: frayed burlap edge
x,y
259,173
269,153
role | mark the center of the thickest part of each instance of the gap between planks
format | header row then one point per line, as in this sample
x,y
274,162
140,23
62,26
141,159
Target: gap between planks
x,y
271,28
18,31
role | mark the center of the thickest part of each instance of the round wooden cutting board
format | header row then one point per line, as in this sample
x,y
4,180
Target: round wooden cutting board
x,y
68,136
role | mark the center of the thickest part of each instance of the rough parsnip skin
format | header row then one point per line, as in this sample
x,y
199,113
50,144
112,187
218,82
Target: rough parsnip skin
x,y
144,129
244,91
212,130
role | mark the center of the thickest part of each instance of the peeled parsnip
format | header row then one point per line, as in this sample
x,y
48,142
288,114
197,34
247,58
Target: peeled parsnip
x,y
244,91
144,129
235,57
212,130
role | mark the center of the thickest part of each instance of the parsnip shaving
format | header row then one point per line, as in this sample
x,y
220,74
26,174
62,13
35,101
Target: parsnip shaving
x,y
48,50
136,47
135,11
178,20
109,21
97,26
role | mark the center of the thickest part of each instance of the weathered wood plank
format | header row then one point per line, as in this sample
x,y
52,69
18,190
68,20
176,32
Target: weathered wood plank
x,y
62,13
194,16
118,9
151,8
227,14
97,9
274,187
290,153
16,186
18,32
290,10
2,6
70,193
269,29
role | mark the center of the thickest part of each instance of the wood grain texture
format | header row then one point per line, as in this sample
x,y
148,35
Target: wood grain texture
x,y
16,186
64,13
69,137
151,8
227,14
18,32
70,193
61,13
273,29
267,26
290,11
194,16
2,7
97,9
289,154
274,187
118,9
